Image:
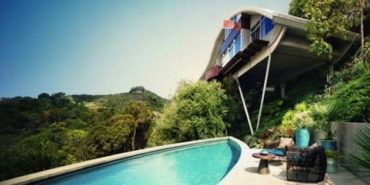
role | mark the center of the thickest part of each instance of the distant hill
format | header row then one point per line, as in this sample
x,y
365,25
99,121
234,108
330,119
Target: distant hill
x,y
119,101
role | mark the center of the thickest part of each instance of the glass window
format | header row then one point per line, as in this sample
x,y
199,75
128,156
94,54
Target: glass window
x,y
267,25
237,44
228,54
232,52
227,32
256,33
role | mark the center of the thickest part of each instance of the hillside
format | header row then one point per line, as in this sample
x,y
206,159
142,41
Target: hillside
x,y
346,99
58,129
121,100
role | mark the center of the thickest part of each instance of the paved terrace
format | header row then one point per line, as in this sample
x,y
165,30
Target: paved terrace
x,y
247,174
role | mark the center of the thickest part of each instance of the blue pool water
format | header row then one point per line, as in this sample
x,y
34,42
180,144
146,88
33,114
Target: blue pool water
x,y
204,164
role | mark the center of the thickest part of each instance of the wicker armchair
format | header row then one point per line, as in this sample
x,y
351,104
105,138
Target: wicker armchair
x,y
306,165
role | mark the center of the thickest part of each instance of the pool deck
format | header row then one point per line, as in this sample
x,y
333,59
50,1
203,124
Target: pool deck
x,y
245,172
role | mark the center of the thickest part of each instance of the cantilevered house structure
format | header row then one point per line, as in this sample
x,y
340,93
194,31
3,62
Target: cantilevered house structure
x,y
269,49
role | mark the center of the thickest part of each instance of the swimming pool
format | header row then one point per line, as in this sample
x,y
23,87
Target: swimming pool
x,y
202,164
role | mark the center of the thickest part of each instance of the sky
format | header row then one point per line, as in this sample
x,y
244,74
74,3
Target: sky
x,y
109,46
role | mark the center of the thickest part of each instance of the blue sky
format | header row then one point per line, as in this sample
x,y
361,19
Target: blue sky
x,y
109,46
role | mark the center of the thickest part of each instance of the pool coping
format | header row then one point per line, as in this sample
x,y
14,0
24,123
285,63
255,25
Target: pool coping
x,y
235,175
43,175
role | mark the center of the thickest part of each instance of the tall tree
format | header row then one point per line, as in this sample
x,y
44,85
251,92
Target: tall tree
x,y
142,120
328,18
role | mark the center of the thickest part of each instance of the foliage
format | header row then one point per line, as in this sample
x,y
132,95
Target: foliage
x,y
320,112
328,18
296,7
138,89
363,54
119,101
196,112
331,154
109,138
351,101
54,130
298,118
252,141
362,157
235,117
142,118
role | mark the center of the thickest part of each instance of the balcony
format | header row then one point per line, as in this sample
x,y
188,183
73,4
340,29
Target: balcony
x,y
237,61
213,73
244,23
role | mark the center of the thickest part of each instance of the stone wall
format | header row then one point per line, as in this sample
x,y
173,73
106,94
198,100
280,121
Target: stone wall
x,y
345,134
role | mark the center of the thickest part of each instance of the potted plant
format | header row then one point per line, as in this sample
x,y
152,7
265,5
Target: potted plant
x,y
328,142
302,134
321,115
300,120
331,161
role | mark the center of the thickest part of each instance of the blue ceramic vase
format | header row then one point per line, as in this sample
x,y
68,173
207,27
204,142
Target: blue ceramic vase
x,y
302,136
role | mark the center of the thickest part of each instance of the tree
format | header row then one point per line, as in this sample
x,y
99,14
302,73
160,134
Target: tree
x,y
296,8
43,96
196,112
110,137
363,54
328,18
142,120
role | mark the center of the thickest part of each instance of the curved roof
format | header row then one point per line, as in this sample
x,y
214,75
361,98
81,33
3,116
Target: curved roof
x,y
294,24
277,17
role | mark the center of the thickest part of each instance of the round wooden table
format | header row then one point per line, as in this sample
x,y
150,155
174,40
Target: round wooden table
x,y
263,167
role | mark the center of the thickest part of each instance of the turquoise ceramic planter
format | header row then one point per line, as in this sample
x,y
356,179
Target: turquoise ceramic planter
x,y
329,144
302,137
331,166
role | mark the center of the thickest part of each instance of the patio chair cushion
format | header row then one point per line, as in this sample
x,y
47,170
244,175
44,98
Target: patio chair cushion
x,y
286,142
277,151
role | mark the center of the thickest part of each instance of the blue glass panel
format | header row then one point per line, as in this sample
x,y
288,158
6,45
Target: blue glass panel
x,y
267,25
232,51
230,35
227,32
229,40
237,44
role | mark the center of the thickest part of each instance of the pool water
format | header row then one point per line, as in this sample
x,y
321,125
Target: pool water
x,y
204,164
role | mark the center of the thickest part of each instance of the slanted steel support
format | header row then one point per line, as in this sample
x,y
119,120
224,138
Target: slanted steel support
x,y
264,90
244,106
282,90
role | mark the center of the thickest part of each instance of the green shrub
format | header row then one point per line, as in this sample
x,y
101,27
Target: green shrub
x,y
351,101
252,141
362,157
298,118
196,112
331,154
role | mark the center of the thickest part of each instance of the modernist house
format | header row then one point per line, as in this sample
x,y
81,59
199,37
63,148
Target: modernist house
x,y
269,49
